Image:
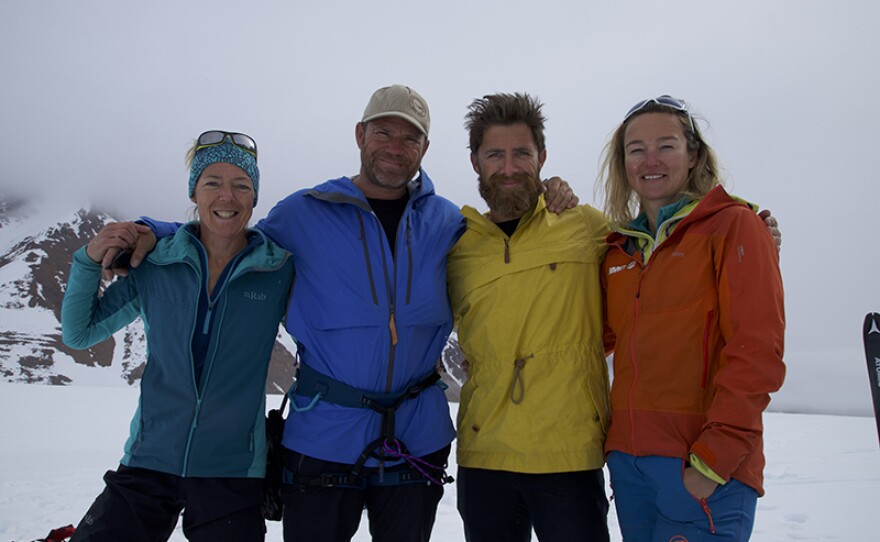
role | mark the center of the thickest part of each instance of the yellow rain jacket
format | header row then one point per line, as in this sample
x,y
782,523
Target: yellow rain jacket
x,y
529,313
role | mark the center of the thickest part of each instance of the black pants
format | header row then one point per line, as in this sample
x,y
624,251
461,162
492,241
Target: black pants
x,y
141,505
402,513
562,507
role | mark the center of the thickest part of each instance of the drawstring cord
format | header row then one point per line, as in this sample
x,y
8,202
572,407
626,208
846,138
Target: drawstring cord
x,y
517,384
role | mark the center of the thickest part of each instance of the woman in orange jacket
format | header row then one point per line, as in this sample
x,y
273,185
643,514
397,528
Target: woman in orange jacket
x,y
694,309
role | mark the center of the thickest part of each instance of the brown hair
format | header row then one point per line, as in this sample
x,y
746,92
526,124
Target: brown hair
x,y
504,109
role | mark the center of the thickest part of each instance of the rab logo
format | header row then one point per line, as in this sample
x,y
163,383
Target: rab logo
x,y
678,538
619,268
255,296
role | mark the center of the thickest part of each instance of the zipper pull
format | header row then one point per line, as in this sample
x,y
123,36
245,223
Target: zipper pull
x,y
708,513
393,327
506,251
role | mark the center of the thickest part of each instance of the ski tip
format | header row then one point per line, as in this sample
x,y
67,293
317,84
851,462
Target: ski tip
x,y
871,328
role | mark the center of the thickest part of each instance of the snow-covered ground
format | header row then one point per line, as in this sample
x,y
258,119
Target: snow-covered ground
x,y
822,476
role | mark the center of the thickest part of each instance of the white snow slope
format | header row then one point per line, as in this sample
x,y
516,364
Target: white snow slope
x,y
822,475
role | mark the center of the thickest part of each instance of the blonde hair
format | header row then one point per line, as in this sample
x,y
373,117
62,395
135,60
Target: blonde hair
x,y
621,202
191,154
193,212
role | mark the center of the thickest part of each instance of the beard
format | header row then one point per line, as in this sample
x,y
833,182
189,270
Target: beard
x,y
510,203
385,179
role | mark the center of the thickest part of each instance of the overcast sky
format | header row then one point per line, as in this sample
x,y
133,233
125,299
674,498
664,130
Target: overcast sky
x,y
100,99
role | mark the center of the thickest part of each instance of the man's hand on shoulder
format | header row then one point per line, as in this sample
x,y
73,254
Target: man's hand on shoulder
x,y
129,245
773,226
558,195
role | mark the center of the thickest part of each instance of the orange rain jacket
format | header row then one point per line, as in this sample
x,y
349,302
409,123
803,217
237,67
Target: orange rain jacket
x,y
697,333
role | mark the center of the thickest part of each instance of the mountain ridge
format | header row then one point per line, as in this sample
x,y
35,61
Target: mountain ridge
x,y
36,248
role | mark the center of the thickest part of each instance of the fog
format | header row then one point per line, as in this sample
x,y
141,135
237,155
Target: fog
x,y
100,99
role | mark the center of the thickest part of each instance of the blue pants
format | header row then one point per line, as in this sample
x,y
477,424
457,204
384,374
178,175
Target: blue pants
x,y
654,506
562,507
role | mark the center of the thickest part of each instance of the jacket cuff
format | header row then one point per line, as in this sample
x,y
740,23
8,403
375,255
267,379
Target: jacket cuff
x,y
723,465
704,469
82,258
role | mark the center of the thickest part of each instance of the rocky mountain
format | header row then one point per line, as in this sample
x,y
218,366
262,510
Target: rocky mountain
x,y
36,247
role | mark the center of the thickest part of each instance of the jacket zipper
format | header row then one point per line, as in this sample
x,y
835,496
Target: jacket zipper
x,y
635,369
207,325
632,355
390,285
391,288
409,266
209,361
195,417
389,292
363,237
192,431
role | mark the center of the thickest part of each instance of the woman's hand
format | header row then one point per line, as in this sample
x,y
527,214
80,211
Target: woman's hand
x,y
698,485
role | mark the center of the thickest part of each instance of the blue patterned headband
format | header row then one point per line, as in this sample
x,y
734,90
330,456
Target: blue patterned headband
x,y
224,152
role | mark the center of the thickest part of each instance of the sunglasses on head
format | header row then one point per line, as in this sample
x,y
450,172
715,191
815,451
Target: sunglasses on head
x,y
216,137
664,100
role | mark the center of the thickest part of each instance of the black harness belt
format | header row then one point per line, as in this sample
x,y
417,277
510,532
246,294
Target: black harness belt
x,y
319,387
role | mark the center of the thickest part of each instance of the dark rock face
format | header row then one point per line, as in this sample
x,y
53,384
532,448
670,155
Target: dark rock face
x,y
36,248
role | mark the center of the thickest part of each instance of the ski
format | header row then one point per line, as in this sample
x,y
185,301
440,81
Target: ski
x,y
871,331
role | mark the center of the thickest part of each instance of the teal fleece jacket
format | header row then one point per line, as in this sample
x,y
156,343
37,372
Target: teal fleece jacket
x,y
211,428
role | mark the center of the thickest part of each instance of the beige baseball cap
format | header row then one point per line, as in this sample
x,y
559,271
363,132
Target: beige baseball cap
x,y
399,101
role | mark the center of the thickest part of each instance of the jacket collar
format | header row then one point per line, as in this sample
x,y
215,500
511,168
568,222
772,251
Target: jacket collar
x,y
690,212
184,246
343,190
481,221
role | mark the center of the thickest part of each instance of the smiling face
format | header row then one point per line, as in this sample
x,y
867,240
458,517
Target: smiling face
x,y
509,164
391,153
224,195
657,160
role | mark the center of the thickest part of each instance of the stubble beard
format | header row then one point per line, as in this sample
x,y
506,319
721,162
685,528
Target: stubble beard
x,y
381,179
510,203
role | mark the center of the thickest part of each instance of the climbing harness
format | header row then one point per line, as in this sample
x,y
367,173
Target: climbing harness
x,y
319,387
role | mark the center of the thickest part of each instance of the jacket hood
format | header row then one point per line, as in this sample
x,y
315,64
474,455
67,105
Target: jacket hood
x,y
343,190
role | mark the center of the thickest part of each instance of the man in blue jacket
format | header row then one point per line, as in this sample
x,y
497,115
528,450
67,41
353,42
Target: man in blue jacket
x,y
370,315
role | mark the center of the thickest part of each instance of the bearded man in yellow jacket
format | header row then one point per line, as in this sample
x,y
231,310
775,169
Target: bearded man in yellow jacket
x,y
524,285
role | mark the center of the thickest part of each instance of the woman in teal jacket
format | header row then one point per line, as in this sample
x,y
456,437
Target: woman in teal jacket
x,y
211,298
